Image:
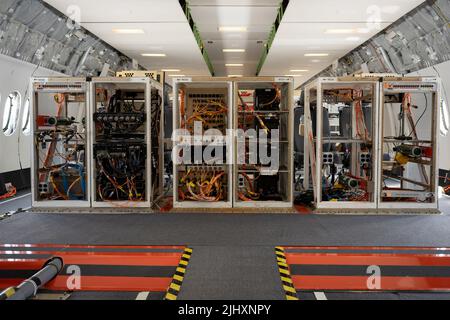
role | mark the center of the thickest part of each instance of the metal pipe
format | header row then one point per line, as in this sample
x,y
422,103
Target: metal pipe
x,y
407,180
29,287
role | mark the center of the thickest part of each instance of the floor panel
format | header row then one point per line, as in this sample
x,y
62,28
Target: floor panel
x,y
159,270
374,272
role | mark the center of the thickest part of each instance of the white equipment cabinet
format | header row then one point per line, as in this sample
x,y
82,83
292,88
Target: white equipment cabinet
x,y
382,156
263,170
409,122
202,166
121,143
341,142
60,170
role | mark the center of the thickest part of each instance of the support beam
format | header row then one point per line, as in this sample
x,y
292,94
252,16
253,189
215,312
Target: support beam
x,y
273,32
187,11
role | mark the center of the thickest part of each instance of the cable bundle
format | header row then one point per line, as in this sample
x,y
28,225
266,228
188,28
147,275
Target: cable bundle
x,y
199,185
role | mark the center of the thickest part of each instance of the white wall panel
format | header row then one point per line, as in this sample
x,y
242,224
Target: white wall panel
x,y
443,71
15,75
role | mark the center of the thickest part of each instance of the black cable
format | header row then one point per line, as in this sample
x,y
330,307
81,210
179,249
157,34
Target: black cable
x,y
420,118
27,122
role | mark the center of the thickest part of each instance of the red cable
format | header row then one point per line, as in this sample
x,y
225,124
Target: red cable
x,y
12,192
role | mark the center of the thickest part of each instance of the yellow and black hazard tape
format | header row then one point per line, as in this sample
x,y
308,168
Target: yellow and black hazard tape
x,y
285,274
178,277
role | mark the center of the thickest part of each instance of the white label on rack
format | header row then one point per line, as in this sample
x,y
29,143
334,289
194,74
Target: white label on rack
x,y
268,172
429,79
284,79
329,79
182,79
40,80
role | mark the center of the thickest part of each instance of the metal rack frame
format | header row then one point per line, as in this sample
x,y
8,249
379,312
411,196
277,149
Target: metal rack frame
x,y
120,204
159,192
206,83
314,147
413,85
58,85
288,101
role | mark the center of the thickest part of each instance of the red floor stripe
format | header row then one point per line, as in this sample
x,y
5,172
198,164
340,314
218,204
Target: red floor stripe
x,y
80,253
95,283
7,246
6,283
367,259
368,248
359,283
22,264
101,258
119,260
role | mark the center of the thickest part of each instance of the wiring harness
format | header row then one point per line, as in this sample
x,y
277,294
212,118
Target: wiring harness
x,y
121,172
259,114
202,185
62,174
340,181
120,150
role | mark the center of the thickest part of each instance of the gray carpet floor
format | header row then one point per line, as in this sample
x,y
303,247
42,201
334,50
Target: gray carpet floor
x,y
21,200
233,254
227,230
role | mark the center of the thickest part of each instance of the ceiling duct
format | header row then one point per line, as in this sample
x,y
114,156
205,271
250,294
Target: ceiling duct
x,y
33,31
418,40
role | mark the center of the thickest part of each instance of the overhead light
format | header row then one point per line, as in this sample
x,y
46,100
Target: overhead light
x,y
153,54
233,50
176,75
232,29
170,70
299,70
353,39
294,75
235,76
347,31
234,65
315,61
316,54
128,31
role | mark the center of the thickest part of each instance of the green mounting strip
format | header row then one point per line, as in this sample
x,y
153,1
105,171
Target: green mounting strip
x,y
273,32
187,11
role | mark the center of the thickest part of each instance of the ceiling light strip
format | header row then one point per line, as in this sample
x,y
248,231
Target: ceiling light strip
x,y
281,10
187,11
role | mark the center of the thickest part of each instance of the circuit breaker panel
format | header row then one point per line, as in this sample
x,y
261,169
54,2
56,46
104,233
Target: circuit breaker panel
x,y
59,159
409,143
263,170
201,154
121,152
341,137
